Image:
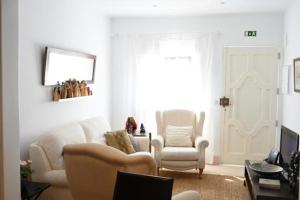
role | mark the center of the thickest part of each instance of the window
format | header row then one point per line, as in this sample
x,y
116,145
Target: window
x,y
169,79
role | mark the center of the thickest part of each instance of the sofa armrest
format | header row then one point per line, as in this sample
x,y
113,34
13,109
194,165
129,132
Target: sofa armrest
x,y
201,143
56,178
141,162
158,143
40,164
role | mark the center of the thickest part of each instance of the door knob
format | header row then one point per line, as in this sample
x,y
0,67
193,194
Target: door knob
x,y
224,102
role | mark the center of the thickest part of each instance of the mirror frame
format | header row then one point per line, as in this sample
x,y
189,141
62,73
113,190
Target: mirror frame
x,y
49,50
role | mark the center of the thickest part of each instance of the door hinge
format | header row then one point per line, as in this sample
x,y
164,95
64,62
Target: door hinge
x,y
276,123
279,56
277,91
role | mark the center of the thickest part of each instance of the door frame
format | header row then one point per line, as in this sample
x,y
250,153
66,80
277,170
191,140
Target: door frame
x,y
278,101
1,114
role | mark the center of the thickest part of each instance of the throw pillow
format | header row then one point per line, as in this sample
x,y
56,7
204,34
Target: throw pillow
x,y
119,140
134,143
179,136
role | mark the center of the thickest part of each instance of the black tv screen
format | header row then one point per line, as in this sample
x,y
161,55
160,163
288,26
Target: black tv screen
x,y
289,143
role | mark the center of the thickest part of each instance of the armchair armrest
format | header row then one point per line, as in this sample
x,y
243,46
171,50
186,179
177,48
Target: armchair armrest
x,y
158,143
201,143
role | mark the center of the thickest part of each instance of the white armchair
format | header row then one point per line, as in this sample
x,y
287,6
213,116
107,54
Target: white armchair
x,y
180,158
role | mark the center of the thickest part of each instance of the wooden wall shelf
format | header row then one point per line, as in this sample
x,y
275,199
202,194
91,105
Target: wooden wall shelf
x,y
74,99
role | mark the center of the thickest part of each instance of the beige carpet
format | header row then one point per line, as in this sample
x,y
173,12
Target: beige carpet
x,y
211,187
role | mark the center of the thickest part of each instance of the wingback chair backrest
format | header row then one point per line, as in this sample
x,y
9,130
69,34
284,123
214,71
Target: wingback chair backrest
x,y
179,118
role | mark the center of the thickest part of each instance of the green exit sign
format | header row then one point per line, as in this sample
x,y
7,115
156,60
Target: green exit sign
x,y
250,34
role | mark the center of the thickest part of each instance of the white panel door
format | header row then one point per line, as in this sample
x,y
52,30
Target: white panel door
x,y
251,85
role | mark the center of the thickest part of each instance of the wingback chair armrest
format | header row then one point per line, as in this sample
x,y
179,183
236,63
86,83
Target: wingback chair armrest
x,y
201,143
158,143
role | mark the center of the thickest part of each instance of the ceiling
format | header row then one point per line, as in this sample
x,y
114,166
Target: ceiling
x,y
190,7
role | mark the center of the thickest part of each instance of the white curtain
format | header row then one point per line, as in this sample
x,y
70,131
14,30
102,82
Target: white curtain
x,y
168,71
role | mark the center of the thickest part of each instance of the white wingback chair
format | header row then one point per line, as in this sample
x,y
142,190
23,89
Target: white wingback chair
x,y
180,158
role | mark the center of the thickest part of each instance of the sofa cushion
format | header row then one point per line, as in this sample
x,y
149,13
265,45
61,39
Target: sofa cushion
x,y
53,142
119,140
179,136
178,118
94,129
179,153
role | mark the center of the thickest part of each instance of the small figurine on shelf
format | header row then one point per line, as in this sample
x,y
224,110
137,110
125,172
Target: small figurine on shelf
x,y
131,125
68,89
83,88
56,93
76,89
142,129
71,88
63,92
89,91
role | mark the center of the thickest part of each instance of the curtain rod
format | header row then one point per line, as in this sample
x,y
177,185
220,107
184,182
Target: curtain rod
x,y
166,34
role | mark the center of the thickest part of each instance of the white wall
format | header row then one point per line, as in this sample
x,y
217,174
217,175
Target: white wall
x,y
231,27
68,24
268,26
10,99
291,102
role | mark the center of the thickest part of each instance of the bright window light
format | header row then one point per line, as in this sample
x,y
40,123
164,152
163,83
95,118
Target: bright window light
x,y
169,80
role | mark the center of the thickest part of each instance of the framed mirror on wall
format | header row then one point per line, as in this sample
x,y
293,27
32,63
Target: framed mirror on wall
x,y
297,75
62,65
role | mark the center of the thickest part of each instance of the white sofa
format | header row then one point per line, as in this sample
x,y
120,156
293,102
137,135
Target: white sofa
x,y
47,153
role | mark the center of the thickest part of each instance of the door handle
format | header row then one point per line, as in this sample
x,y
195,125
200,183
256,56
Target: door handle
x,y
224,102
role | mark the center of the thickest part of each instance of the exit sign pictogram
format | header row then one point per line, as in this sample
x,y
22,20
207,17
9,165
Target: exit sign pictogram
x,y
250,34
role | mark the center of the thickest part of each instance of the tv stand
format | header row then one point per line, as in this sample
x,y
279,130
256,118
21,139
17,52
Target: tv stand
x,y
257,193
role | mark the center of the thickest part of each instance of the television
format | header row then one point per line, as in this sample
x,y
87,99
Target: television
x,y
289,143
61,65
142,187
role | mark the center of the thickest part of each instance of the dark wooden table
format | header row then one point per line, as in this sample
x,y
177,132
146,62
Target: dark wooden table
x,y
258,193
32,190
